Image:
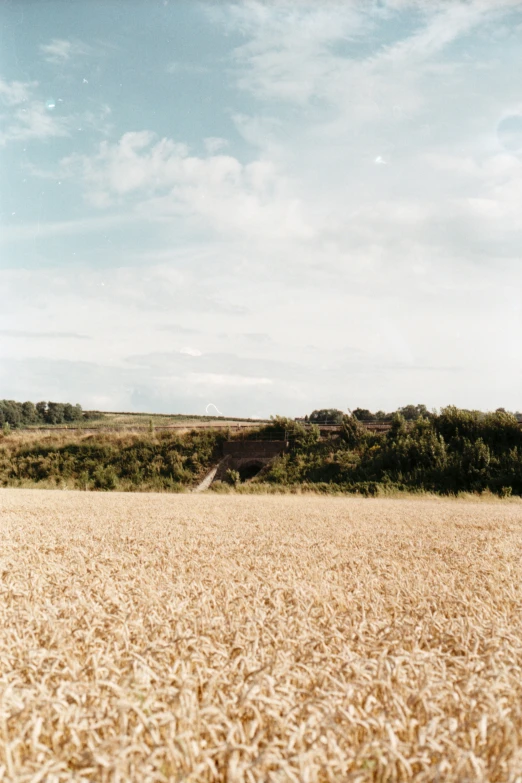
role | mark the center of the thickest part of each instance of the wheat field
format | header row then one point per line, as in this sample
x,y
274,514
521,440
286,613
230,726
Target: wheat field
x,y
247,638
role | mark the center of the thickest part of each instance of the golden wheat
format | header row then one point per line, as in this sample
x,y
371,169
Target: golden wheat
x,y
238,638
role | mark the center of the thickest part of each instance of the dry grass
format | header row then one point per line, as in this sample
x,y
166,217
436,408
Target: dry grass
x,y
237,638
141,421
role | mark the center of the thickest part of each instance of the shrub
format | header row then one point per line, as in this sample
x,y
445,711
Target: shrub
x,y
105,478
233,477
221,487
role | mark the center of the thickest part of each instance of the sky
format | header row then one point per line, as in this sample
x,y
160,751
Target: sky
x,y
270,206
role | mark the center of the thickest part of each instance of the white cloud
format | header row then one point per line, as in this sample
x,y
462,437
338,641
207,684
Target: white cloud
x,y
288,55
34,230
214,143
60,50
217,379
405,276
164,181
14,93
305,52
41,335
25,117
28,117
34,121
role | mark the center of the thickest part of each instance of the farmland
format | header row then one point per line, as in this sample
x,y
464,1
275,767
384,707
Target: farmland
x,y
98,421
238,638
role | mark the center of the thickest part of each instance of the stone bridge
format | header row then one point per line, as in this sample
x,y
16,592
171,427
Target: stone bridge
x,y
248,457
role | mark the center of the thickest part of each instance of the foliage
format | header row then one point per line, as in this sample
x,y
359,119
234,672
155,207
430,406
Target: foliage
x,y
352,431
451,452
409,413
233,477
164,462
326,416
363,414
19,414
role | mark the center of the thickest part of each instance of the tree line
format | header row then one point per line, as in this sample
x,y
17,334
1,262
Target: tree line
x,y
20,414
452,451
409,413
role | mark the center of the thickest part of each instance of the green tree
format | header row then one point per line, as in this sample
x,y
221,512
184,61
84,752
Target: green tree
x,y
11,413
41,410
55,413
72,412
363,414
353,432
326,416
29,413
413,412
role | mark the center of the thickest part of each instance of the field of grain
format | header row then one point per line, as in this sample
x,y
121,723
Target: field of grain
x,y
239,638
142,421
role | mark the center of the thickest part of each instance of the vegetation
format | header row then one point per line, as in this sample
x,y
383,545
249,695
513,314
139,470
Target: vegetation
x,y
259,639
326,416
26,415
451,452
409,412
19,414
107,461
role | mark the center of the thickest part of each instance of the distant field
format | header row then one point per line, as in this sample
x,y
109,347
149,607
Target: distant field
x,y
126,421
232,638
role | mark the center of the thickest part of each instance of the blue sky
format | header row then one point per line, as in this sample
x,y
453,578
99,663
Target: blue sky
x,y
270,206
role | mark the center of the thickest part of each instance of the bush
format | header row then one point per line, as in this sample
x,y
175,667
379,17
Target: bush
x,y
105,478
233,477
221,487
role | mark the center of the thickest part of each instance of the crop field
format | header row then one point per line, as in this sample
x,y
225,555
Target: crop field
x,y
142,421
149,637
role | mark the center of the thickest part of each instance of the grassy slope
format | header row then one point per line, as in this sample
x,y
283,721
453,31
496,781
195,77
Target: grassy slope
x,y
142,420
108,460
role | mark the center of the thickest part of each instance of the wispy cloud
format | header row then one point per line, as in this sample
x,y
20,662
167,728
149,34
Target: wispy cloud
x,y
40,229
301,52
260,338
371,207
219,379
177,329
14,93
26,116
60,50
185,67
36,335
214,143
34,121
